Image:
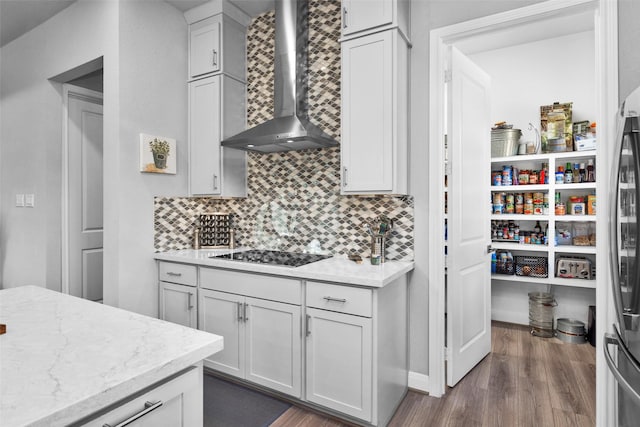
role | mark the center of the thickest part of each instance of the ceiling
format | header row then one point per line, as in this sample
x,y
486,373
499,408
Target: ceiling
x,y
20,16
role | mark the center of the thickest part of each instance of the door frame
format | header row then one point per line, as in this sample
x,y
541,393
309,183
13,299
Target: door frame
x,y
605,21
92,96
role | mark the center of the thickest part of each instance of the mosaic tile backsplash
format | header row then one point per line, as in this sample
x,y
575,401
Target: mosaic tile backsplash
x,y
293,198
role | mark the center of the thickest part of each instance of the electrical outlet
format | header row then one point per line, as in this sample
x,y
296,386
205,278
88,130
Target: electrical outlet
x,y
29,200
20,200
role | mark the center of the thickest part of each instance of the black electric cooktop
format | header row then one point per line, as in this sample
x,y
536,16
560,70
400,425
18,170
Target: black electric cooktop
x,y
258,256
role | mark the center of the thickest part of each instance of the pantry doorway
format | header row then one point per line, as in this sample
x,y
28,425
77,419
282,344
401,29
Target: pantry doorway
x,y
517,26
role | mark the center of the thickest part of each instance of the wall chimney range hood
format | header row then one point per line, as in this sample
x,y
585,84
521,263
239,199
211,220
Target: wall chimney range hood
x,y
291,129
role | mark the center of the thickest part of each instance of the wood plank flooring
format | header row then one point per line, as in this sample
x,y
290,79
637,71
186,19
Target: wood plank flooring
x,y
525,381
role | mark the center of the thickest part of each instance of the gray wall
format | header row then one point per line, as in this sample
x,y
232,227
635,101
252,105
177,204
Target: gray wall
x,y
152,96
628,52
426,16
144,45
31,135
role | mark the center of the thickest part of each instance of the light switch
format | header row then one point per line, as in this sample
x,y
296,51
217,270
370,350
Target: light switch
x,y
29,200
20,200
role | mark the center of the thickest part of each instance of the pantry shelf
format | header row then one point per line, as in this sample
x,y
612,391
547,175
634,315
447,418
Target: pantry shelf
x,y
551,220
575,218
516,246
520,217
521,188
554,281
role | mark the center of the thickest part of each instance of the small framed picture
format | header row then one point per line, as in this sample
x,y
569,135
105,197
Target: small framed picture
x,y
157,154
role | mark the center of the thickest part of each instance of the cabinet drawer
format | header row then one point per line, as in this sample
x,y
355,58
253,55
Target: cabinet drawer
x,y
344,299
177,402
252,285
177,273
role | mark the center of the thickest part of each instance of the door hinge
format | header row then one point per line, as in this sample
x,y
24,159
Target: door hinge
x,y
447,76
447,354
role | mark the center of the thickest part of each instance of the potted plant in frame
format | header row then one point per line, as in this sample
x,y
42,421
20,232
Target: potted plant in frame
x,y
160,151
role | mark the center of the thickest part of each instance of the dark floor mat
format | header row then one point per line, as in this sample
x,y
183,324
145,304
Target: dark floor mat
x,y
231,405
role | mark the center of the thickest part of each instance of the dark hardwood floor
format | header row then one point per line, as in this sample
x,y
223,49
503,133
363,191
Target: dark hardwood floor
x,y
524,381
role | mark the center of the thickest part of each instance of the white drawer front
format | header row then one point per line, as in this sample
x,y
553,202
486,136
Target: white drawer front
x,y
252,285
343,299
178,273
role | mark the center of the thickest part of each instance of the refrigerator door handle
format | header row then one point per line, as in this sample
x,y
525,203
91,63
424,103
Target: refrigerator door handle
x,y
615,340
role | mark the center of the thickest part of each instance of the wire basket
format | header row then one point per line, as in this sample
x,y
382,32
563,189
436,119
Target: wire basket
x,y
504,263
532,266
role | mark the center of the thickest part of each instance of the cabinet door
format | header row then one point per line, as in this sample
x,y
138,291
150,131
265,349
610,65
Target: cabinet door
x,y
339,362
360,15
177,402
367,114
273,345
178,304
222,314
204,48
204,136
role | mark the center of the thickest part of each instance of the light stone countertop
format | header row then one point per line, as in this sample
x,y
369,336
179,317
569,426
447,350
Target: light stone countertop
x,y
337,269
64,358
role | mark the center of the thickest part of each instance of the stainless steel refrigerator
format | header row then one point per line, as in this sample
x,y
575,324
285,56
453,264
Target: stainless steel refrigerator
x,y
625,245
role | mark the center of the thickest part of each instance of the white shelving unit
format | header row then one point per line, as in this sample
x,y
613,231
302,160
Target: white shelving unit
x,y
527,222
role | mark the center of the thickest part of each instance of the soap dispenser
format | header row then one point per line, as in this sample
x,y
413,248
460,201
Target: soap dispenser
x,y
196,238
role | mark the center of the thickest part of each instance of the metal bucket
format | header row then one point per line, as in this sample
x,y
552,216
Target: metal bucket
x,y
570,331
541,305
504,142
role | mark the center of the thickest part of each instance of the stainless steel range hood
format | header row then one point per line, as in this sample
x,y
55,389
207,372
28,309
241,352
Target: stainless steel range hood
x,y
290,129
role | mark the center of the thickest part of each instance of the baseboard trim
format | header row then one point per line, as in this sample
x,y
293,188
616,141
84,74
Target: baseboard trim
x,y
419,382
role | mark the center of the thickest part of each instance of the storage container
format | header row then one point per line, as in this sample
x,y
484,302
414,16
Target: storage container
x,y
504,142
532,266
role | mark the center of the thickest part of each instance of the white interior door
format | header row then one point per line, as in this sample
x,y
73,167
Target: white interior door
x,y
468,273
84,204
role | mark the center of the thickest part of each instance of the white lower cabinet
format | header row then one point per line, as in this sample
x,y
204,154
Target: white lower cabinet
x,y
261,339
221,313
350,341
339,362
178,304
177,402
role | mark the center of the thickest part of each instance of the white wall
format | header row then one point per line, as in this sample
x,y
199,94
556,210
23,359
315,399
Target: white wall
x,y
152,97
526,76
31,135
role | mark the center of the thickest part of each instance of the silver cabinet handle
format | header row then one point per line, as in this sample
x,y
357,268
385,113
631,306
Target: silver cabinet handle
x,y
344,176
171,273
329,299
616,340
246,306
307,325
215,182
148,407
214,58
344,17
190,303
240,318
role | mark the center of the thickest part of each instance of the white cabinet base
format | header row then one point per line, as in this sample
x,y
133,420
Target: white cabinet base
x,y
177,402
339,362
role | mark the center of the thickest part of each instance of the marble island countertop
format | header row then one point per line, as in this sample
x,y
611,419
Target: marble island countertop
x,y
337,269
63,358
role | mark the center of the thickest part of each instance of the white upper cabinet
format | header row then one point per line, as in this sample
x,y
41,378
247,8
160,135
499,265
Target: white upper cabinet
x,y
374,114
360,17
204,47
217,33
217,98
216,110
